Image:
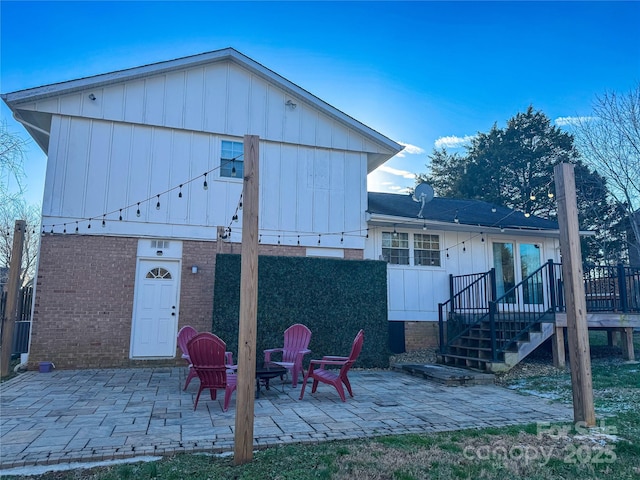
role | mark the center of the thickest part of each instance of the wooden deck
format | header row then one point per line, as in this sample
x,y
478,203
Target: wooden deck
x,y
613,323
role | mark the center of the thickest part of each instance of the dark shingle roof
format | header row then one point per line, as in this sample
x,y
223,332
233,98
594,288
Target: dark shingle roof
x,y
468,212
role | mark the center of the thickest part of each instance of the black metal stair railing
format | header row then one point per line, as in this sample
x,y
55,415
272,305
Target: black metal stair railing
x,y
520,310
467,306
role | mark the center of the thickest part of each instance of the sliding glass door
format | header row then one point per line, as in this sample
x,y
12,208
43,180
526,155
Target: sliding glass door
x,y
513,263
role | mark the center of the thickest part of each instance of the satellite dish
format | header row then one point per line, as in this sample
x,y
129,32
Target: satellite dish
x,y
423,194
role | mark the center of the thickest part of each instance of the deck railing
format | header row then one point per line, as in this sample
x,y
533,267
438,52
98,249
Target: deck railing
x,y
468,304
513,313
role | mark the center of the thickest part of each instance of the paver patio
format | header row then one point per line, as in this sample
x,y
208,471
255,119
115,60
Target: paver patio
x,y
90,415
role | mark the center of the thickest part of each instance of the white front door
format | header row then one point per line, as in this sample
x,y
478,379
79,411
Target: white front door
x,y
155,316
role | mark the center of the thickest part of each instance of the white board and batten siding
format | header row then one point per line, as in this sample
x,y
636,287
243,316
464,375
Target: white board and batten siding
x,y
145,136
414,292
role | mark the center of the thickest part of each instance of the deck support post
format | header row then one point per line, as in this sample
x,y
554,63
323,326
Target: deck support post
x,y
558,348
612,338
627,344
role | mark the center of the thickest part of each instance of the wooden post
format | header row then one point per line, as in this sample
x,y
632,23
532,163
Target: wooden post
x,y
627,344
13,289
577,330
219,240
245,396
557,348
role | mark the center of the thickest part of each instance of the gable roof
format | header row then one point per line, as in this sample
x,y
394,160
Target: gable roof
x,y
15,99
385,207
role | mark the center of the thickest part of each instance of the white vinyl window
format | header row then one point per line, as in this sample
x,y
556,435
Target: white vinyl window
x,y
232,159
420,249
426,249
395,247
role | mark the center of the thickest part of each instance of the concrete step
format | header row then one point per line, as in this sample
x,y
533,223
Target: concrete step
x,y
446,375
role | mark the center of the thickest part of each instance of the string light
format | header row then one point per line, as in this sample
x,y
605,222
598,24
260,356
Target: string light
x,y
77,229
342,237
318,239
104,224
298,239
180,192
233,168
120,217
205,185
138,210
158,204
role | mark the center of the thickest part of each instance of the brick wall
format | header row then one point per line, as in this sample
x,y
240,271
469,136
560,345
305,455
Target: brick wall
x,y
85,291
84,300
420,335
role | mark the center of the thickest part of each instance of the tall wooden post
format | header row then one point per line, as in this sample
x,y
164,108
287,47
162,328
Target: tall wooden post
x,y
13,290
577,330
245,396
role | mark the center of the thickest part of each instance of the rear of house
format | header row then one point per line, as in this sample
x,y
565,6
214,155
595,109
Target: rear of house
x,y
143,189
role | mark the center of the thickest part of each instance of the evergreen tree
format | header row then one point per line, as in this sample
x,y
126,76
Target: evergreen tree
x,y
513,166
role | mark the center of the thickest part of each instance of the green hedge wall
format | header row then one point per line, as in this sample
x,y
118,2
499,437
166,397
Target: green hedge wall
x,y
334,298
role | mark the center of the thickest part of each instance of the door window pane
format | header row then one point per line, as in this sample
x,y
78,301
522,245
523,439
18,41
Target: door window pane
x,y
529,263
503,262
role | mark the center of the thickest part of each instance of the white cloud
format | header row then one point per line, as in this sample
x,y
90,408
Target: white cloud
x,y
397,172
453,141
410,149
571,121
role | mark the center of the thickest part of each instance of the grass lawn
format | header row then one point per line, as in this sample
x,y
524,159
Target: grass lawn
x,y
559,451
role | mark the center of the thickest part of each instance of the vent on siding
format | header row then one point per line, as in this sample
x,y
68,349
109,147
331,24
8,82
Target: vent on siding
x,y
160,244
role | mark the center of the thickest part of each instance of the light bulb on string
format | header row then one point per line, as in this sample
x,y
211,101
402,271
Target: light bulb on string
x,y
77,227
424,226
298,239
233,168
65,228
158,204
342,237
180,192
464,247
532,197
481,236
138,210
205,185
104,223
260,239
89,225
52,229
278,239
367,235
550,194
120,217
318,239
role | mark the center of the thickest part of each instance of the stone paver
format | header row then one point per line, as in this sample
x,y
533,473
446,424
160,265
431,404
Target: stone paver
x,y
89,415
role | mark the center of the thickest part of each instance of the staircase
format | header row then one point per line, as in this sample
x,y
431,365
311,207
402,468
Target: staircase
x,y
473,349
492,334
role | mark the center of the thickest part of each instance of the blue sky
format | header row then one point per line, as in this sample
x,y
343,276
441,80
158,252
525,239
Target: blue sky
x,y
425,74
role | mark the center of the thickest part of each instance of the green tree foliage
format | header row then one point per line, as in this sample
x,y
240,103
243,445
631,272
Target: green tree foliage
x,y
513,166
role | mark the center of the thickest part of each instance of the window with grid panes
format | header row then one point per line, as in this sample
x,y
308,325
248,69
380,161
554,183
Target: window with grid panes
x,y
426,250
395,247
232,159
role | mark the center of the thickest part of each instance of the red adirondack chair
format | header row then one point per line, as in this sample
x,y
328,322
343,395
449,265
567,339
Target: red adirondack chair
x,y
210,360
296,341
333,376
185,334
